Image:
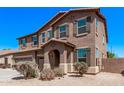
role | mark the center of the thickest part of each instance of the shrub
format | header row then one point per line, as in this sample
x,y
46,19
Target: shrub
x,y
27,70
47,74
4,66
81,67
122,73
58,72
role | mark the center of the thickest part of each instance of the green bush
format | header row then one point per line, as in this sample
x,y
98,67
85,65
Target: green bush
x,y
47,74
81,67
58,72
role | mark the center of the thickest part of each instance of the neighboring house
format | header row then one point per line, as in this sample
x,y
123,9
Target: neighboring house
x,y
6,57
75,35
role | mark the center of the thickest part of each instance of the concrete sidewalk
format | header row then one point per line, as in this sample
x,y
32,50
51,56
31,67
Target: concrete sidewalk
x,y
8,74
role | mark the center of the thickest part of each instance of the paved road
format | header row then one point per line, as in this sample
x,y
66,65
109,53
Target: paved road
x,y
8,74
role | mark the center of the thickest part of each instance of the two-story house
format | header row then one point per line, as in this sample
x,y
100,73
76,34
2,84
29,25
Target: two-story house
x,y
71,36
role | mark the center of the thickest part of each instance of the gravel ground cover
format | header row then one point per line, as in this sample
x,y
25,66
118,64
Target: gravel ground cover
x,y
8,77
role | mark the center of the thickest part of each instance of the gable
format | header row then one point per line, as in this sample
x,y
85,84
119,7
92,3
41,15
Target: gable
x,y
60,16
78,13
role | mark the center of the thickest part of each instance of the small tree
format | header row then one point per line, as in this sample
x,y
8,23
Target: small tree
x,y
81,67
111,55
7,49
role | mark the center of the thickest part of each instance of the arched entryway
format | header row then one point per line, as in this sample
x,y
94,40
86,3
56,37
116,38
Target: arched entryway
x,y
54,59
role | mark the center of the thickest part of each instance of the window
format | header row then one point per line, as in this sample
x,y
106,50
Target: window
x,y
96,23
97,56
81,26
97,53
97,33
81,55
103,39
62,31
35,40
50,33
43,37
23,41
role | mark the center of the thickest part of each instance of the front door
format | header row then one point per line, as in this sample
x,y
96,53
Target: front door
x,y
54,58
6,61
40,63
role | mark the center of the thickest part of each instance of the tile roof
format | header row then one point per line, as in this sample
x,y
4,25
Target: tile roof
x,y
60,41
6,52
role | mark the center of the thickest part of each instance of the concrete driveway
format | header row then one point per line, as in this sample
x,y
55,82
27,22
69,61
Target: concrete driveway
x,y
8,74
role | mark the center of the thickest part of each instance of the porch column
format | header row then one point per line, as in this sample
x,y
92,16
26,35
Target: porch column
x,y
72,60
33,57
65,61
46,60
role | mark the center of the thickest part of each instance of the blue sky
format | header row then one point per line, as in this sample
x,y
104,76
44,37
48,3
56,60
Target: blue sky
x,y
16,22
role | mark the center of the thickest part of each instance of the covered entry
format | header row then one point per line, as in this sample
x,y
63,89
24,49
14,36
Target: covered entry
x,y
54,57
58,54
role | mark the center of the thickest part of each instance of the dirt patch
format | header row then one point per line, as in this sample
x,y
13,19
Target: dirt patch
x,y
101,79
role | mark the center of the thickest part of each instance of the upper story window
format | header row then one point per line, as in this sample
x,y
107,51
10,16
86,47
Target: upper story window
x,y
97,26
43,37
81,26
63,29
50,34
103,39
23,42
35,40
96,23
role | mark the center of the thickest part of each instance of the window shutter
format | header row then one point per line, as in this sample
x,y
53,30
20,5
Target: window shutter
x,y
37,40
26,40
75,28
89,19
32,38
67,30
88,27
52,33
57,32
20,41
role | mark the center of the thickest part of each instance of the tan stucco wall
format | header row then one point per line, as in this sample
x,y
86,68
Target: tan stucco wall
x,y
98,38
113,65
102,48
10,60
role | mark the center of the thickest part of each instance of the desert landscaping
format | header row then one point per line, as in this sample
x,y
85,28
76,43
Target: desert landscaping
x,y
10,77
